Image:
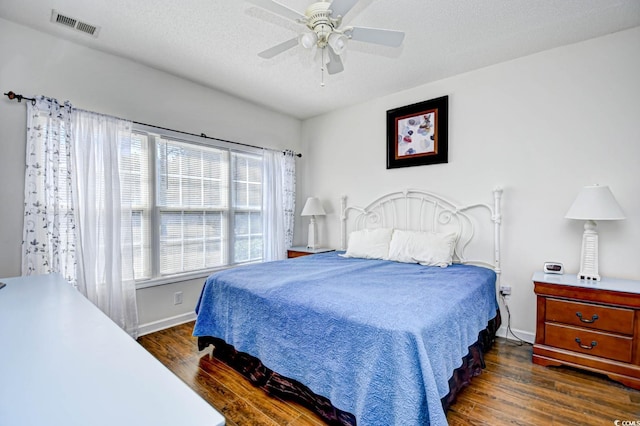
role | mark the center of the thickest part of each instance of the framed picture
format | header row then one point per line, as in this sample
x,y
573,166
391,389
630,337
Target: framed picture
x,y
417,134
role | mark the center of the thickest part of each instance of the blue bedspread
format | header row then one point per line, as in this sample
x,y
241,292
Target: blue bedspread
x,y
380,339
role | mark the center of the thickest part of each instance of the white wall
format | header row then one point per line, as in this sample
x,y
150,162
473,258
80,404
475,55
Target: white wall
x,y
34,63
541,126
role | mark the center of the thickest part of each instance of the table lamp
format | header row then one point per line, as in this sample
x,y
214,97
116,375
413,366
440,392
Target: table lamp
x,y
593,203
312,208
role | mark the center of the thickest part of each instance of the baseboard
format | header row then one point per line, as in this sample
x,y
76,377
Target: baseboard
x,y
152,327
521,334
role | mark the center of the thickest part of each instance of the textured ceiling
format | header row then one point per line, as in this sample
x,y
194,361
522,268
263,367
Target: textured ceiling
x,y
216,42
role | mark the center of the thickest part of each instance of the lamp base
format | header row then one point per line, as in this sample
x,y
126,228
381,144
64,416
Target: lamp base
x,y
589,255
311,237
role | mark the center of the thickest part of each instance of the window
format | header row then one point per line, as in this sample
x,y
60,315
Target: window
x,y
135,179
204,201
247,203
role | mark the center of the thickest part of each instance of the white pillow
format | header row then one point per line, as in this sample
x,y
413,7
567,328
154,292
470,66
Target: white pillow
x,y
369,243
425,248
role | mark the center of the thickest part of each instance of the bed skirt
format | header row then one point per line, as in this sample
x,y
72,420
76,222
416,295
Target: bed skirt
x,y
291,390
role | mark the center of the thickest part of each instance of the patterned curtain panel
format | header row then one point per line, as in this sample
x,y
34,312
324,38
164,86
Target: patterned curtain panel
x,y
48,237
289,195
278,206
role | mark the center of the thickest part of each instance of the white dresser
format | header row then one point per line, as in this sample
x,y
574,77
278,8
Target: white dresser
x,y
63,362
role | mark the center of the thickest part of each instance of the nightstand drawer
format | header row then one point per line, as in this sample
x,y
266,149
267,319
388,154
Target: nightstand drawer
x,y
600,317
589,342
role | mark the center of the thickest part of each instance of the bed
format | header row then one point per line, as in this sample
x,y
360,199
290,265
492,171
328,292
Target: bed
x,y
357,337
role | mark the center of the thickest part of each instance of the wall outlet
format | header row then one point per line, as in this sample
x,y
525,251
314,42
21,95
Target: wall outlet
x,y
177,298
505,290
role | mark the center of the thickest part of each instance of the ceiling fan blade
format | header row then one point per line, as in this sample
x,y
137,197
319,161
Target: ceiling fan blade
x,y
278,48
278,9
334,66
341,7
376,35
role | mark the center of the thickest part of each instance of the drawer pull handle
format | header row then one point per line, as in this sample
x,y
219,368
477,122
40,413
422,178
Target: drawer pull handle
x,y
594,317
593,344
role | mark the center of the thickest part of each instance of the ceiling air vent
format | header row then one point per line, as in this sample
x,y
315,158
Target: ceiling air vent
x,y
67,21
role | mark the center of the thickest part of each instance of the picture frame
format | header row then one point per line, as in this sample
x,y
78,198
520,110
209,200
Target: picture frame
x,y
418,134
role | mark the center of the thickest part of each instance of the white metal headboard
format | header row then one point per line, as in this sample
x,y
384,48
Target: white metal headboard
x,y
424,211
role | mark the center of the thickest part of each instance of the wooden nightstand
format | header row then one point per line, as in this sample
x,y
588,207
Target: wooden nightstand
x,y
303,251
594,325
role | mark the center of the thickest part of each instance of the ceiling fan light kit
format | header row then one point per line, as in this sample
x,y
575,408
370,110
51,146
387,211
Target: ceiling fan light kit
x,y
308,40
323,19
338,42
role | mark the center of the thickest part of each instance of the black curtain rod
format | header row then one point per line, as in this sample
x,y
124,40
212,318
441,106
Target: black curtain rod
x,y
11,95
202,135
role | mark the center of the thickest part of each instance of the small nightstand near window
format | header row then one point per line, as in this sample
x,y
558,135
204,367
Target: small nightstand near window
x,y
304,251
594,325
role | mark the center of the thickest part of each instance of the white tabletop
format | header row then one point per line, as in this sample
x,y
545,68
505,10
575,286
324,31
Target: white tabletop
x,y
612,284
63,362
310,250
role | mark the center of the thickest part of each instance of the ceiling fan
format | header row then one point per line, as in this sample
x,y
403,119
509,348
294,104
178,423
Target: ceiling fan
x,y
323,19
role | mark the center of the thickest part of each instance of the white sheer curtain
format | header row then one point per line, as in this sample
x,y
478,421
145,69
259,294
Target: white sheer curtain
x,y
77,221
104,234
278,203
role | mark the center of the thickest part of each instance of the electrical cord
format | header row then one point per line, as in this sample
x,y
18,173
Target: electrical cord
x,y
520,341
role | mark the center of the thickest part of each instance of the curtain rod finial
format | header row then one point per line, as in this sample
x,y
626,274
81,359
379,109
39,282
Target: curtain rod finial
x,y
12,95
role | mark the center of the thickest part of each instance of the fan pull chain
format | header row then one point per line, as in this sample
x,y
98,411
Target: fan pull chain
x,y
322,66
323,62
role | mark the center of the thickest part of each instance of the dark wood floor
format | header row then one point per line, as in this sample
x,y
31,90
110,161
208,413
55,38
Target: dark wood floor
x,y
511,390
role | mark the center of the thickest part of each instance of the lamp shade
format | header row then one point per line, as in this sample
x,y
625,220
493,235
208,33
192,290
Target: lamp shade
x,y
308,40
312,207
595,203
338,43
